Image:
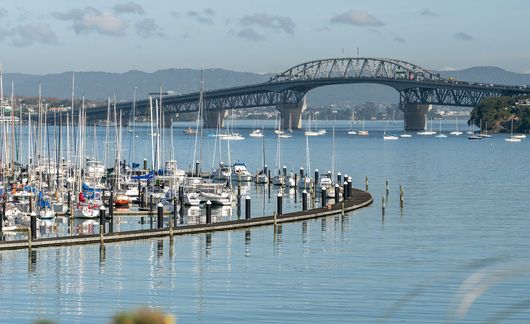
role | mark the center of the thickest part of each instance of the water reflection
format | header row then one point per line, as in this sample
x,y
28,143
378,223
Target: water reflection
x,y
208,244
32,261
247,243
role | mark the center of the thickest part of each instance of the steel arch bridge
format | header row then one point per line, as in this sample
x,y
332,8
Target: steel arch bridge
x,y
414,84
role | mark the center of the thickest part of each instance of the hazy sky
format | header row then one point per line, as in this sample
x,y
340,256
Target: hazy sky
x,y
259,36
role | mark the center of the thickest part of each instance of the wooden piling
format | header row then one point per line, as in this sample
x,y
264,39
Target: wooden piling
x,y
366,183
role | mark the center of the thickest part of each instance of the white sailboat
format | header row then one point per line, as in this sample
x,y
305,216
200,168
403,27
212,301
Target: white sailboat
x,y
363,132
426,132
389,137
352,122
512,138
472,136
309,131
440,134
456,132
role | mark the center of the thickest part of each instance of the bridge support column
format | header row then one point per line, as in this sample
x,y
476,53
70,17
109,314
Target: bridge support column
x,y
212,118
415,116
291,114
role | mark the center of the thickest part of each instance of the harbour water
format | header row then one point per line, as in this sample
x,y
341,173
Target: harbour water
x,y
456,252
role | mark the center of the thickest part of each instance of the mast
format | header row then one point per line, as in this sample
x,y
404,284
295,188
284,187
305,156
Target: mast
x,y
152,133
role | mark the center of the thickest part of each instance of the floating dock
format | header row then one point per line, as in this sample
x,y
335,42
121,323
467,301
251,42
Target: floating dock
x,y
358,200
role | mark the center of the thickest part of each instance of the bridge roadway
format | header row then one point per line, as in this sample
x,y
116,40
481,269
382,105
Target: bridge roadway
x,y
418,88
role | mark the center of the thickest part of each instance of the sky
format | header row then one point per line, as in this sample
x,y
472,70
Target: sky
x,y
40,37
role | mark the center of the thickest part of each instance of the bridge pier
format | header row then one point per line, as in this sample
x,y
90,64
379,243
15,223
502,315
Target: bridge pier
x,y
291,114
212,118
415,116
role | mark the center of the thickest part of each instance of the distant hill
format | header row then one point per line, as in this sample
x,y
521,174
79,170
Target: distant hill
x,y
100,85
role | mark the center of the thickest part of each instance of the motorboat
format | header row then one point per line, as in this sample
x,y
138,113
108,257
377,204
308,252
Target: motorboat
x,y
256,133
240,172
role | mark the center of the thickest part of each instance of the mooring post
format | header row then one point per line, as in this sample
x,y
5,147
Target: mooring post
x,y
150,204
111,205
238,199
337,191
345,190
197,163
171,231
339,177
208,212
366,183
401,200
30,203
160,216
247,207
3,215
102,217
269,175
316,178
175,207
33,223
69,200
101,231
304,200
386,187
301,172
265,169
383,206
285,171
279,203
324,196
145,164
350,187
139,190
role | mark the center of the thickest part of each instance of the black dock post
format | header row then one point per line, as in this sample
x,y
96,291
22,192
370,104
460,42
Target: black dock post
x,y
247,207
316,178
208,212
350,187
111,204
279,203
304,200
175,207
265,169
337,189
102,217
160,215
285,171
69,200
33,223
197,163
345,193
2,217
139,191
324,197
339,177
145,164
301,172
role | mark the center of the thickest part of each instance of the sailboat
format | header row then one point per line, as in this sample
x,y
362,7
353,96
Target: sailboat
x,y
258,133
352,122
440,134
484,133
362,132
309,131
512,138
388,137
456,132
472,136
426,132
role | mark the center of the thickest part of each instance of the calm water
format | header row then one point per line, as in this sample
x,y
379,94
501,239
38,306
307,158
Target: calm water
x,y
458,251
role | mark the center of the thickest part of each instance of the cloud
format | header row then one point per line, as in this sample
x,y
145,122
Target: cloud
x,y
251,35
25,35
463,36
398,39
280,23
128,7
356,18
91,19
148,28
174,14
428,12
204,17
